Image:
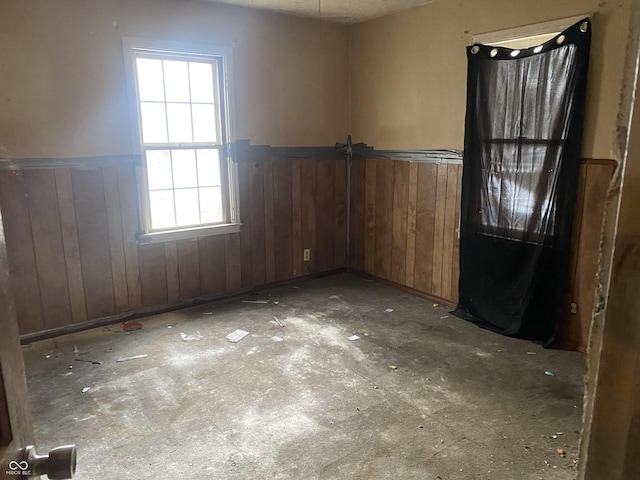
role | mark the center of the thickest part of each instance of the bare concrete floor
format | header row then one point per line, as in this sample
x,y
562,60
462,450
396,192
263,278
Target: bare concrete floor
x,y
463,403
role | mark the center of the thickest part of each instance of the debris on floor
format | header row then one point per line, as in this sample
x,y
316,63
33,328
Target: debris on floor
x,y
353,338
446,316
393,367
94,362
75,349
207,313
436,304
531,353
135,357
193,337
86,389
236,336
131,326
276,302
389,310
549,373
255,301
278,321
276,338
561,452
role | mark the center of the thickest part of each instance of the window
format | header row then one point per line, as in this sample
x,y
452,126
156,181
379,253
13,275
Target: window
x,y
187,184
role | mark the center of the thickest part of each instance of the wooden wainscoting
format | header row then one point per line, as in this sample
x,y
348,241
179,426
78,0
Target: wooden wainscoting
x,y
404,229
404,224
73,257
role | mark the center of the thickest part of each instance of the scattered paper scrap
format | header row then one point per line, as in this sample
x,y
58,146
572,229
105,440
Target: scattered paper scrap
x,y
131,326
236,336
560,452
446,316
531,353
135,357
353,338
436,304
86,389
276,302
193,337
549,374
276,338
389,310
393,367
255,301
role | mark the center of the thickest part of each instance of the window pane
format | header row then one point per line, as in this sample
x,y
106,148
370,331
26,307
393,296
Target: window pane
x,y
150,84
154,125
184,168
187,210
208,167
204,123
201,77
179,122
162,213
159,169
176,77
211,205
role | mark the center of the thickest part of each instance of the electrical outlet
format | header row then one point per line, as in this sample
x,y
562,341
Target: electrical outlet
x,y
306,254
574,308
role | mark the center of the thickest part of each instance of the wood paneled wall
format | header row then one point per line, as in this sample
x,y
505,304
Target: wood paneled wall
x,y
404,229
404,223
73,257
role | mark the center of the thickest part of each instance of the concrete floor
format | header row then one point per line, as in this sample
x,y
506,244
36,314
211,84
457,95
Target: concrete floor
x,y
463,403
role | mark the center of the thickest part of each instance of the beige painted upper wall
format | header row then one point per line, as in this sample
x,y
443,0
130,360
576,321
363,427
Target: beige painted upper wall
x,y
62,81
409,70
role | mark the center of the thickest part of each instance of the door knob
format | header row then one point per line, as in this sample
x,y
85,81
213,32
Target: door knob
x,y
60,464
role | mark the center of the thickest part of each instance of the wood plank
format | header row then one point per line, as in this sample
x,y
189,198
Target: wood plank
x,y
49,250
399,228
128,215
269,235
570,326
340,202
596,186
455,267
93,238
326,231
213,271
449,231
358,217
172,274
308,211
20,252
439,231
116,239
425,226
371,169
283,224
412,200
188,268
384,218
258,253
153,274
232,256
70,244
296,217
245,216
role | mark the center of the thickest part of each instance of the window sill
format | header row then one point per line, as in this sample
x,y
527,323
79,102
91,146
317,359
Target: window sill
x,y
189,233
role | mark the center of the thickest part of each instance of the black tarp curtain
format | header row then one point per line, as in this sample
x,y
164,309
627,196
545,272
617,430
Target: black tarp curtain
x,y
523,133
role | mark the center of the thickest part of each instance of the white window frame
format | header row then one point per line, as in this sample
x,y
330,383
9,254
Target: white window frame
x,y
223,55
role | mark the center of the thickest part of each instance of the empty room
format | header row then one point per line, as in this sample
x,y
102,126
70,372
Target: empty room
x,y
320,239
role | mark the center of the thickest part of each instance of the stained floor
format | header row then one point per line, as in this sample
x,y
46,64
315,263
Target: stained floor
x,y
419,395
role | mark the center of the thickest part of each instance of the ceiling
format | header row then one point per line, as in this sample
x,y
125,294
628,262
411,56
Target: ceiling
x,y
343,11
